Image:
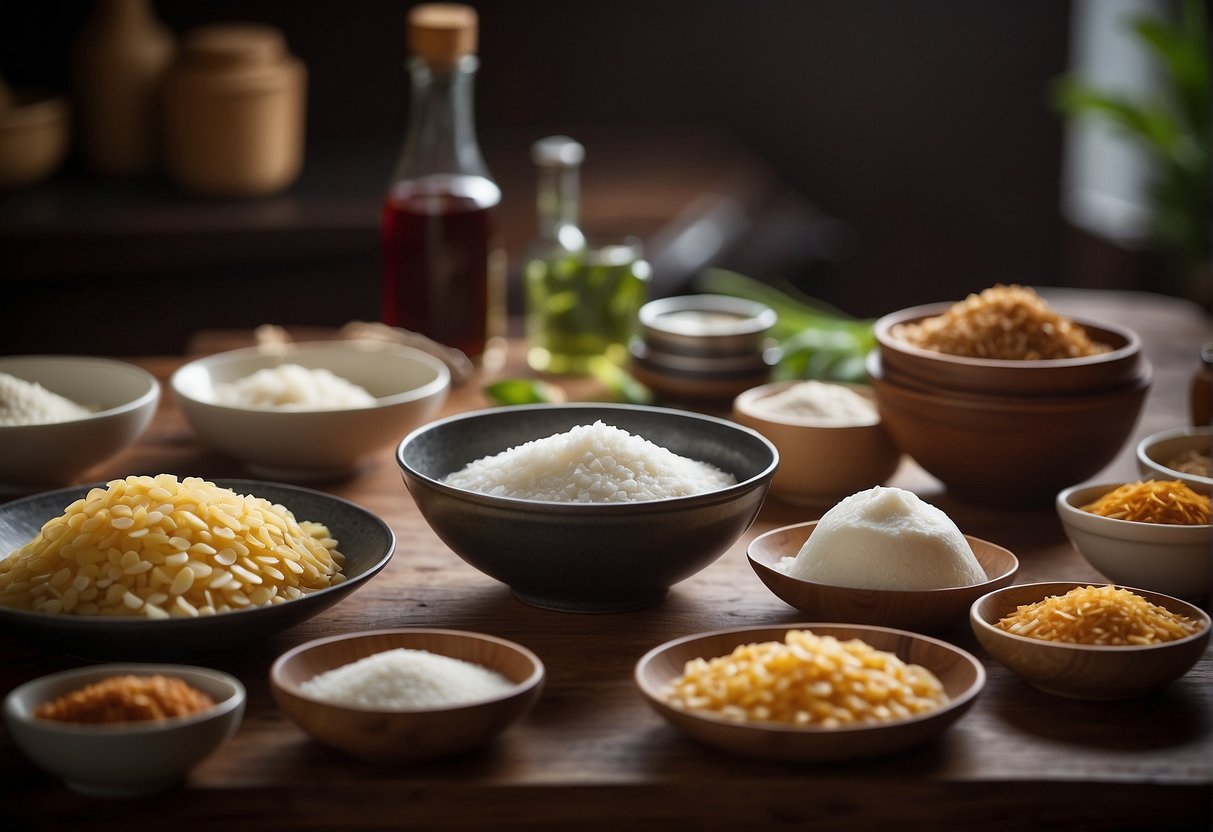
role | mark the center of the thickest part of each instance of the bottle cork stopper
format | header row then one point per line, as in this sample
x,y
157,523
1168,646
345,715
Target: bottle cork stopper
x,y
442,33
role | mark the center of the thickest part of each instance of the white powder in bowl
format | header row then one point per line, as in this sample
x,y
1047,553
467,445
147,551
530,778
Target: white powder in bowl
x,y
292,387
886,538
819,402
29,403
407,680
594,463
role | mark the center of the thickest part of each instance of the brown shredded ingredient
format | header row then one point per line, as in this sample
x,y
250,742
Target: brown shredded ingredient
x,y
127,699
1192,461
1098,615
1154,501
1005,323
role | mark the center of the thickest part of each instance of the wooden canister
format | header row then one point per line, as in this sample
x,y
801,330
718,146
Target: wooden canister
x,y
233,105
118,61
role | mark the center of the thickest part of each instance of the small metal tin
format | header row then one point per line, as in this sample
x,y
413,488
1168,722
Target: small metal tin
x,y
706,347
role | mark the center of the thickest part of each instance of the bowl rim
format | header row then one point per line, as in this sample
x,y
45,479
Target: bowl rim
x,y
963,699
1149,443
234,699
148,397
170,624
536,677
743,404
441,381
888,593
1047,588
720,495
754,317
958,399
884,325
1071,513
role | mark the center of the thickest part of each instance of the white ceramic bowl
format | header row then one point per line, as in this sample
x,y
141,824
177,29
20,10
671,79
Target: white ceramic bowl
x,y
128,758
819,463
1156,450
1172,560
409,385
122,398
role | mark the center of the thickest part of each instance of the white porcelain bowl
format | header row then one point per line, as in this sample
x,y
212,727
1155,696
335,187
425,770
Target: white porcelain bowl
x,y
127,758
820,463
121,396
1156,450
1173,560
409,385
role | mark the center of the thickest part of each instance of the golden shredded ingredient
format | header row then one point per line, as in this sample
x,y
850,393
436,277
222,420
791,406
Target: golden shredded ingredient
x,y
807,680
1098,615
1154,501
127,699
1005,323
1192,461
158,547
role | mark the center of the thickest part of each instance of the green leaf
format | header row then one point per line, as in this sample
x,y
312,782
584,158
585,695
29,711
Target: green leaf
x,y
1154,125
515,391
620,383
816,340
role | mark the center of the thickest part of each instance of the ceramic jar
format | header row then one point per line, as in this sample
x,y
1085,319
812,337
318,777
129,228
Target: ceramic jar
x,y
118,61
233,108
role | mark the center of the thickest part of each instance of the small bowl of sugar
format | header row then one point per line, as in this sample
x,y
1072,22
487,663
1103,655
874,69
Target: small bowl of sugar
x,y
406,695
830,438
60,415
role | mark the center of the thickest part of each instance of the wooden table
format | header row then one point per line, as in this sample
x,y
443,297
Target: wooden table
x,y
592,755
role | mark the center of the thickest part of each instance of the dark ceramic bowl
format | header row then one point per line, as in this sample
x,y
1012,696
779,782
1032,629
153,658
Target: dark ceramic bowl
x,y
365,540
1008,449
587,557
911,366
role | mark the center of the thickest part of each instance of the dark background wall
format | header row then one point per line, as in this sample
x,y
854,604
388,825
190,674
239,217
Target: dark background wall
x,y
923,125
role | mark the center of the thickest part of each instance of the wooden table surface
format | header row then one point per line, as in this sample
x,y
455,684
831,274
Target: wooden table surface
x,y
592,754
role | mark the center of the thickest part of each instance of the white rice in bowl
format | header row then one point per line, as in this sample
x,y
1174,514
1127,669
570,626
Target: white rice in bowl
x,y
594,463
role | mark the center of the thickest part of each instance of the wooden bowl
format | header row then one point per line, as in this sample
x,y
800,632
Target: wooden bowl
x,y
920,609
403,735
961,674
1064,376
1082,671
819,462
1008,450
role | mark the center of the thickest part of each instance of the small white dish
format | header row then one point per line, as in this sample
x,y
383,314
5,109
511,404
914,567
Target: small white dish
x,y
1170,559
1156,450
129,758
122,399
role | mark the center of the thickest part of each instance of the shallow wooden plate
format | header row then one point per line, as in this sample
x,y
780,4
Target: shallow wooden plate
x,y
961,674
923,610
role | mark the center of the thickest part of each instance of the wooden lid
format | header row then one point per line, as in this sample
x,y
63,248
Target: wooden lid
x,y
442,33
232,46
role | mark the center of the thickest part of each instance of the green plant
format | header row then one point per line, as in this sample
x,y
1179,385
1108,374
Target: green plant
x,y
1173,128
815,339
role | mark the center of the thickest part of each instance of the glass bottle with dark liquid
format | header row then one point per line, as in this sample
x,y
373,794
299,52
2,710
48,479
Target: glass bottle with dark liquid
x,y
443,266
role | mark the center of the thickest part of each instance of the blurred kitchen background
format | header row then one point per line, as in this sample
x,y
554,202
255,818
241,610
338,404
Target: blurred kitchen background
x,y
874,154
